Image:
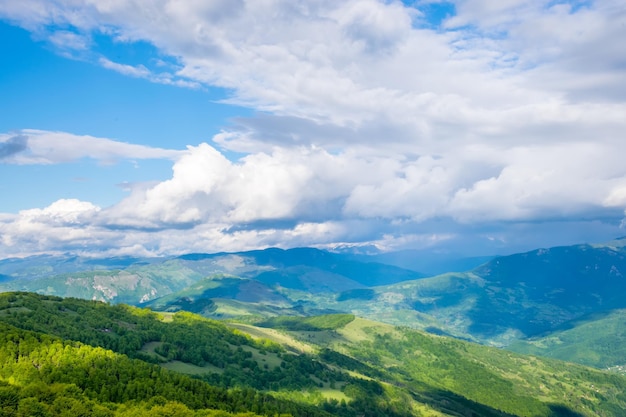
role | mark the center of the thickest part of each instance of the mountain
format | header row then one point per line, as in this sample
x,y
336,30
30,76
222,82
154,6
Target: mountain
x,y
521,297
132,285
137,281
253,263
201,296
41,266
506,299
77,357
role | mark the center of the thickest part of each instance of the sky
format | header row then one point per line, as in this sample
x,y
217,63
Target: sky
x,y
160,127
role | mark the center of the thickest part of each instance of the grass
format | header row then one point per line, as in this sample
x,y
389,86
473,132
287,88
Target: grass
x,y
361,329
280,337
149,349
263,358
166,317
333,394
189,369
178,366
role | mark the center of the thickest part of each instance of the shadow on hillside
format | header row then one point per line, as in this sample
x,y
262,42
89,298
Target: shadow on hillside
x,y
453,404
557,410
490,317
456,405
583,319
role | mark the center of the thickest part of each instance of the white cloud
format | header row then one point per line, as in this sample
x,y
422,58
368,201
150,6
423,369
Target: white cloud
x,y
65,224
133,71
510,113
471,184
30,146
206,187
543,182
140,71
62,212
66,40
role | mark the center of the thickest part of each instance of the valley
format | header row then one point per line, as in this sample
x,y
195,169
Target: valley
x,y
306,329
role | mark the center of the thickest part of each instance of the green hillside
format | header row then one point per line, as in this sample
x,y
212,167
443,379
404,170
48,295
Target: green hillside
x,y
119,356
315,323
120,360
597,340
431,365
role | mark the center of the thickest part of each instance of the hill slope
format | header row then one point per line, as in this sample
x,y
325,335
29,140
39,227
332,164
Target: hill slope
x,y
353,367
597,340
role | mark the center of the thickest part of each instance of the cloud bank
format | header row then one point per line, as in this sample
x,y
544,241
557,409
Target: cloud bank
x,y
503,122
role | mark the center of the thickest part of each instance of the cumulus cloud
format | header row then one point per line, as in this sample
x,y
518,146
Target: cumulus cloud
x,y
30,146
65,224
468,184
507,115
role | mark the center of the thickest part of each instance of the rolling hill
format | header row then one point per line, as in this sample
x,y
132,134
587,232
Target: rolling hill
x,y
60,354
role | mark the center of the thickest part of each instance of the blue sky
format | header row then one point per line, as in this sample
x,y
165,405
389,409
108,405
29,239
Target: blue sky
x,y
45,90
161,127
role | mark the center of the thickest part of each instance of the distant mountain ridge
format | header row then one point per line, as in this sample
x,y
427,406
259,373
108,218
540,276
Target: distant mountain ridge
x,y
509,297
505,300
135,280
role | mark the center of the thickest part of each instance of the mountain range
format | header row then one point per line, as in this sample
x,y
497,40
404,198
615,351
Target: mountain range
x,y
537,302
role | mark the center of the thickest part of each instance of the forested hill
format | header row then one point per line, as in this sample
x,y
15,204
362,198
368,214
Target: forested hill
x,y
76,357
44,370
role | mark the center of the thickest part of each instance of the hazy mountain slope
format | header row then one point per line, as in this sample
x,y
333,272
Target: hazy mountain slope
x,y
133,285
251,264
564,276
218,286
539,290
135,281
41,266
365,273
306,278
